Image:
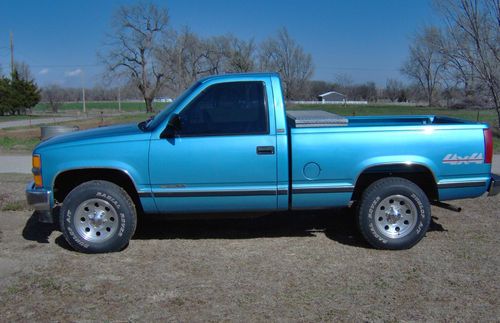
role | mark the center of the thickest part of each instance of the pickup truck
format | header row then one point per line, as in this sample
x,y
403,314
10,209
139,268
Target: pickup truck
x,y
228,145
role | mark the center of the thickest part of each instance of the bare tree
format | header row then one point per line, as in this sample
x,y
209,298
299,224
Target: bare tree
x,y
473,27
425,64
393,89
187,59
344,84
282,54
138,31
241,55
54,96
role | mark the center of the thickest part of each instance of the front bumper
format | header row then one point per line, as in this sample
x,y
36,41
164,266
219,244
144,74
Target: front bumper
x,y
494,188
39,199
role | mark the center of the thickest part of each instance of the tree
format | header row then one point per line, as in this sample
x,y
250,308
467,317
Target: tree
x,y
23,71
393,89
5,95
54,96
473,28
25,93
134,45
282,54
18,94
425,64
187,59
241,56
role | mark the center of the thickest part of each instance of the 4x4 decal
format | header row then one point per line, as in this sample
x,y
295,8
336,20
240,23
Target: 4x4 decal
x,y
454,159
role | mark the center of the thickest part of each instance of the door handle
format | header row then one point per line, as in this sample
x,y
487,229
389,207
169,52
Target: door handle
x,y
265,150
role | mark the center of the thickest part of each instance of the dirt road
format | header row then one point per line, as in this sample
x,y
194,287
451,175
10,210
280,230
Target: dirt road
x,y
290,267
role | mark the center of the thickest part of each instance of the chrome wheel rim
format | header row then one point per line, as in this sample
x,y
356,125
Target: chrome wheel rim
x,y
396,216
96,220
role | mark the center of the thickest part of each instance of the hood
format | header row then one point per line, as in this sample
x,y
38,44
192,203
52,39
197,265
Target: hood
x,y
96,135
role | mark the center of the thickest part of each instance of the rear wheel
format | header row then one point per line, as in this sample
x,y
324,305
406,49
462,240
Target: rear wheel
x,y
98,216
394,213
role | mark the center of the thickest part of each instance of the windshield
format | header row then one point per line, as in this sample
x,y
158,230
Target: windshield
x,y
156,120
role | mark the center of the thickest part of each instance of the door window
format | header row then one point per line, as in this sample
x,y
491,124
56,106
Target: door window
x,y
235,108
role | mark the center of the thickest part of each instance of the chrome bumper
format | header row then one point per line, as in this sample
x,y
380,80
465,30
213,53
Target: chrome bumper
x,y
494,188
39,199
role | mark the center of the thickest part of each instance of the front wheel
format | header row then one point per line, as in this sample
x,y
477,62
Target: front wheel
x,y
394,213
98,216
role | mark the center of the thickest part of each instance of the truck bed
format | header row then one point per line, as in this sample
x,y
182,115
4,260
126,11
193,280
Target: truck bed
x,y
318,119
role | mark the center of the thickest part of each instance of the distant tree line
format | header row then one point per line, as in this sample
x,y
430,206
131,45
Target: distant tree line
x,y
19,92
458,65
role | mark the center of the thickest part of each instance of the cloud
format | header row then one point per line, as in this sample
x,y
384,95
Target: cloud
x,y
43,71
74,72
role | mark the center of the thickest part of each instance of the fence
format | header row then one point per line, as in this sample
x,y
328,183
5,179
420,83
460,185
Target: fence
x,y
330,102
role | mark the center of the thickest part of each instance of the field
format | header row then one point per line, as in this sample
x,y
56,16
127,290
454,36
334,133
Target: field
x,y
306,266
25,138
101,105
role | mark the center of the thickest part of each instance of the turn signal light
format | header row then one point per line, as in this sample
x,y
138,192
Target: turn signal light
x,y
37,170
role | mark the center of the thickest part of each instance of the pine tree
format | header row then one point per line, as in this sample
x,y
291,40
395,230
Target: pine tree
x,y
25,94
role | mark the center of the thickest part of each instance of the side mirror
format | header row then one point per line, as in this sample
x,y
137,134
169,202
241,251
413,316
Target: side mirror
x,y
174,125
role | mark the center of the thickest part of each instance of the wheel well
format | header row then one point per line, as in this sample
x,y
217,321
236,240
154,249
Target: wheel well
x,y
68,180
418,174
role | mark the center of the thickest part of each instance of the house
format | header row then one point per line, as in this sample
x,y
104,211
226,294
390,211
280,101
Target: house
x,y
332,96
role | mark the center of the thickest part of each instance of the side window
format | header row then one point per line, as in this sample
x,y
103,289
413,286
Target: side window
x,y
234,108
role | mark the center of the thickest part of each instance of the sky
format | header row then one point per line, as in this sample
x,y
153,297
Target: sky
x,y
366,40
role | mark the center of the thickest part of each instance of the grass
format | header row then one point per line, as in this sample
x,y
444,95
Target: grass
x,y
483,115
16,117
12,141
14,206
24,139
101,105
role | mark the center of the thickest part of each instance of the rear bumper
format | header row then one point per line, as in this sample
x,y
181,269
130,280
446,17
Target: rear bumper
x,y
494,188
39,199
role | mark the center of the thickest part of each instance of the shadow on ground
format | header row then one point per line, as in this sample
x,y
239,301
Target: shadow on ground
x,y
338,225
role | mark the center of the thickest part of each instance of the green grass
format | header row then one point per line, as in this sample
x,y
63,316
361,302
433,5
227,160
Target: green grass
x,y
16,117
100,105
13,143
483,115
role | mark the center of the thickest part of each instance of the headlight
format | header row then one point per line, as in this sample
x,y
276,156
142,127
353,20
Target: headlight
x,y
37,170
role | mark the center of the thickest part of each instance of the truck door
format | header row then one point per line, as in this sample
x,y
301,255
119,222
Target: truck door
x,y
223,155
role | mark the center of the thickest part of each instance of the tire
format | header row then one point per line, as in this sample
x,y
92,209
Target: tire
x,y
97,217
394,213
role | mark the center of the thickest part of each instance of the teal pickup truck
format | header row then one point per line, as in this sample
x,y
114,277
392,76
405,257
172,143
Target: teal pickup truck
x,y
228,145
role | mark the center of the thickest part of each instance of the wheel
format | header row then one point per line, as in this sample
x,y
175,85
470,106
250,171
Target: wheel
x,y
98,216
394,213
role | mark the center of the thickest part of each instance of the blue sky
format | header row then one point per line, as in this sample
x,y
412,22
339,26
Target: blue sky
x,y
365,39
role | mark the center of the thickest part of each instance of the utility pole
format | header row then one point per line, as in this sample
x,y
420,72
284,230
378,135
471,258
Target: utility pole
x,y
119,99
11,54
83,93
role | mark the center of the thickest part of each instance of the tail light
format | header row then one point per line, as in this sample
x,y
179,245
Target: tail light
x,y
488,146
